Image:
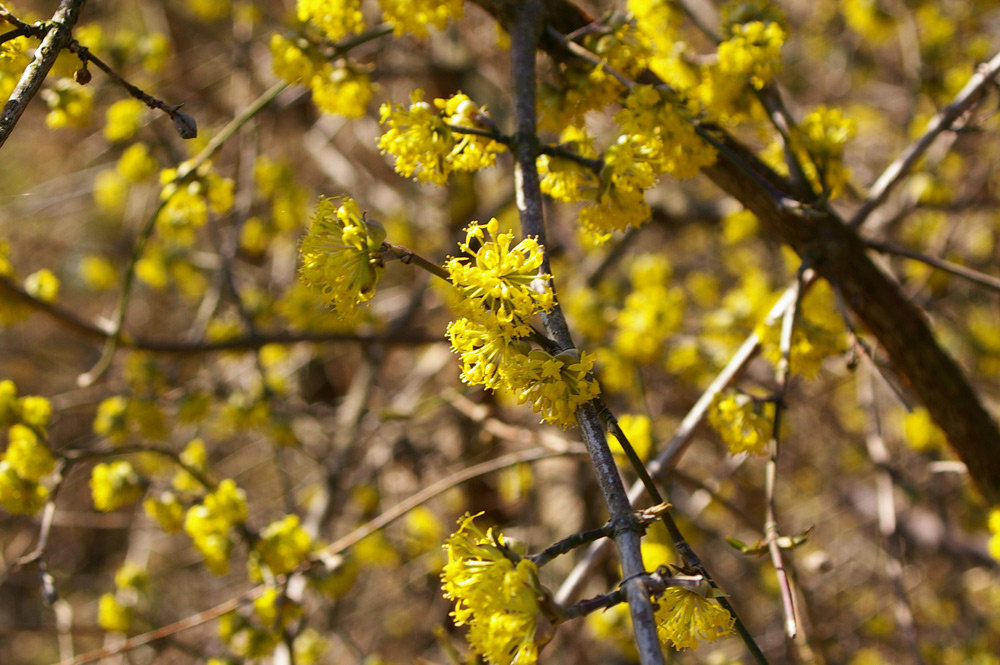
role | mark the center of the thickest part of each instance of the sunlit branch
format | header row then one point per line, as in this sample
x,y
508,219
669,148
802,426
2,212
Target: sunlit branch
x,y
772,531
59,32
967,98
974,276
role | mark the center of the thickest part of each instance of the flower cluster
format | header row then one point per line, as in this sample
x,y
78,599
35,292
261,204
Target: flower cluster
x,y
496,594
684,616
414,16
653,310
336,19
115,484
583,87
342,255
500,290
114,611
566,179
744,423
426,139
186,203
657,137
27,459
342,89
209,524
283,545
818,333
69,104
753,52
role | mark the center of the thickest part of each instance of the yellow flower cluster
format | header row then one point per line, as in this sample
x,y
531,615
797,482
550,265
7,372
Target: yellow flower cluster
x,y
653,310
188,203
583,87
342,255
753,52
744,424
500,290
566,179
114,612
69,104
336,19
115,484
818,333
209,524
994,527
496,594
283,545
656,137
338,89
414,16
683,616
27,459
426,146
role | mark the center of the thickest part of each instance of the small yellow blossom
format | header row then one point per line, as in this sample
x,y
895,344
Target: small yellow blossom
x,y
683,616
424,144
501,279
19,495
112,615
283,545
43,285
498,595
27,455
742,422
753,51
115,484
123,119
414,16
342,255
336,19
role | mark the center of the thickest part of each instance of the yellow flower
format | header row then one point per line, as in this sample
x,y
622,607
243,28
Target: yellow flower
x,y
115,484
341,255
501,279
683,616
336,19
414,16
753,51
341,91
123,119
283,545
112,615
426,147
27,455
741,421
18,495
497,594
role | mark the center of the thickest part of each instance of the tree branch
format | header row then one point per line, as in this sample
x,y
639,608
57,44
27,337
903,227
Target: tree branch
x,y
59,34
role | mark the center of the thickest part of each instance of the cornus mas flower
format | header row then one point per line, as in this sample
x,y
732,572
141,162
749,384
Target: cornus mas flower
x,y
496,594
501,290
341,255
500,279
683,616
740,422
424,144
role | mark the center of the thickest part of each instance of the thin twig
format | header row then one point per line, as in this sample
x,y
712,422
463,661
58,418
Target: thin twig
x,y
982,279
964,101
183,172
887,522
771,530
